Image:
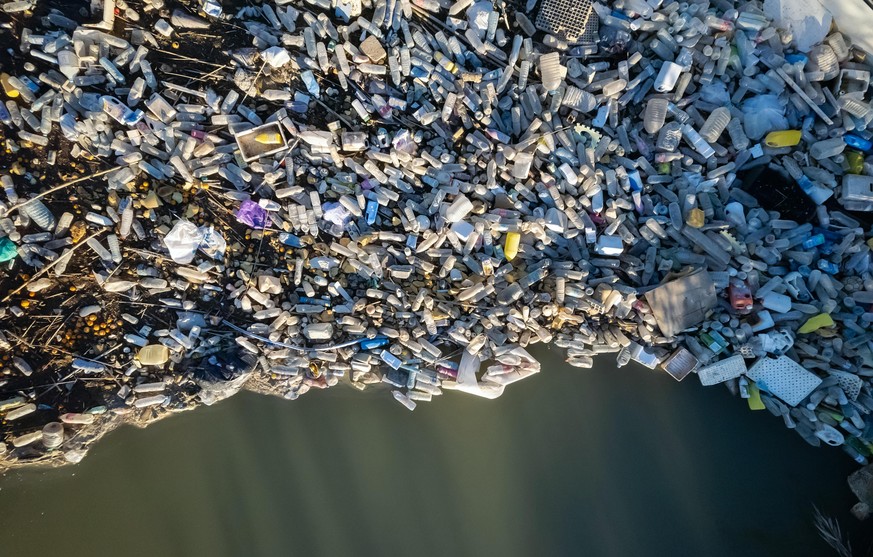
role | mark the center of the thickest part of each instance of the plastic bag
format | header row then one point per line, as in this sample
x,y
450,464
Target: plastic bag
x,y
182,241
7,250
213,243
477,17
252,215
186,238
276,56
715,93
763,114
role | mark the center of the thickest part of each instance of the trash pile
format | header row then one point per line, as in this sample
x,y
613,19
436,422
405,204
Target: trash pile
x,y
410,194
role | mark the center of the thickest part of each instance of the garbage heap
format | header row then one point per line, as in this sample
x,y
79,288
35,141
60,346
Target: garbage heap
x,y
410,194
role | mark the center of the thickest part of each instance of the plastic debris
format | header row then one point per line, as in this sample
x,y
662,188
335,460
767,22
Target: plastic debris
x,y
412,194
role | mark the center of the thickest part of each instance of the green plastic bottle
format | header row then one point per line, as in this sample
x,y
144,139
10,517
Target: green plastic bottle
x,y
855,161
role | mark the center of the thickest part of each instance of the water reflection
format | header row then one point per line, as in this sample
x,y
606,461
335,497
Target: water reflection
x,y
569,462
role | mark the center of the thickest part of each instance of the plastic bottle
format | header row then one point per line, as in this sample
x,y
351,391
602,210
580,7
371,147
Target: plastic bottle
x,y
510,247
715,124
823,58
669,137
827,148
854,162
735,130
69,63
53,435
9,188
656,113
551,70
695,140
37,211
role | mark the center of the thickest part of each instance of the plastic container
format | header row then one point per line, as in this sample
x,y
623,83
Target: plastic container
x,y
510,246
785,138
153,355
667,77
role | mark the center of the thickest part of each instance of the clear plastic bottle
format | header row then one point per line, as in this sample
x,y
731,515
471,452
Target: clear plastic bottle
x,y
669,136
697,141
715,124
69,63
735,130
37,211
838,43
9,188
827,148
823,58
656,113
550,70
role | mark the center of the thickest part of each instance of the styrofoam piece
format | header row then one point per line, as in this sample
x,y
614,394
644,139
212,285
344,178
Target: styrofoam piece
x,y
784,378
721,371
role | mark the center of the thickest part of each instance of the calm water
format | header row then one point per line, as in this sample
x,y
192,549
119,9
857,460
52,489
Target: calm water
x,y
569,462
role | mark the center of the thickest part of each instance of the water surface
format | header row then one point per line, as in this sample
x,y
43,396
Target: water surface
x,y
569,462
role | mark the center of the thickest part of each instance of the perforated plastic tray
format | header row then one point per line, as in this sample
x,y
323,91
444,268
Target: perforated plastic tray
x,y
784,378
719,372
849,382
571,20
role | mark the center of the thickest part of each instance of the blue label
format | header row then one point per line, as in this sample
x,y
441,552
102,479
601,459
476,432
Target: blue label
x,y
372,210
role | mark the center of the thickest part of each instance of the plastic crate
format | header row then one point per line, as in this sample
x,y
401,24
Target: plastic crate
x,y
571,20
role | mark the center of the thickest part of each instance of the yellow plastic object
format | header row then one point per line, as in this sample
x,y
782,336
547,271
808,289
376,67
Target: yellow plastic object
x,y
855,161
784,138
269,138
510,246
10,91
696,218
153,355
816,323
755,398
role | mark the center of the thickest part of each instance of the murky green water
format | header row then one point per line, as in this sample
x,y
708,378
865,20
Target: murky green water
x,y
570,462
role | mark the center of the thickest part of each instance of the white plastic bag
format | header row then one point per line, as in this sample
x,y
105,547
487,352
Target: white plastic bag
x,y
182,241
763,114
